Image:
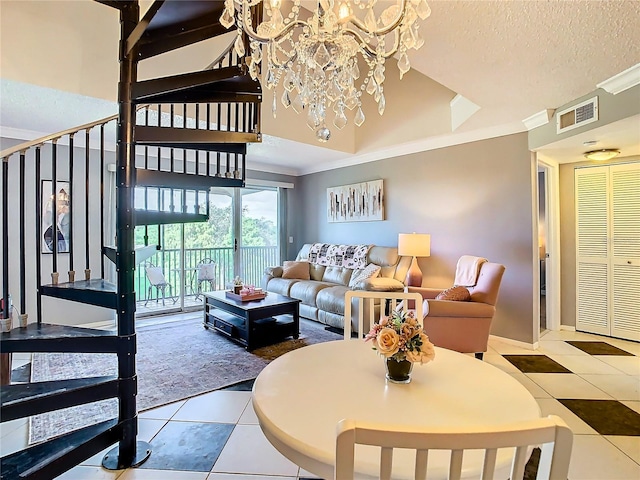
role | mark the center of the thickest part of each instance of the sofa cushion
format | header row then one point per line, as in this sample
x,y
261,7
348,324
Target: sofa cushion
x,y
332,299
307,291
339,275
281,285
316,271
298,270
455,294
370,271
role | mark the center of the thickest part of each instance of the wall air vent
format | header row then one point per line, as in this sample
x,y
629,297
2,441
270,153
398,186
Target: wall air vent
x,y
577,115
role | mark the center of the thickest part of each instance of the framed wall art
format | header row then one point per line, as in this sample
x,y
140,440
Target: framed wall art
x,y
60,227
358,202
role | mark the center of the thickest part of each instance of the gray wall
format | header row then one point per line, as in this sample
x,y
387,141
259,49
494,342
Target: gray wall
x,y
476,199
568,235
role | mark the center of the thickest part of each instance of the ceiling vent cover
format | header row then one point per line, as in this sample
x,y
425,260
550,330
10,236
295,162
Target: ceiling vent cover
x,y
578,115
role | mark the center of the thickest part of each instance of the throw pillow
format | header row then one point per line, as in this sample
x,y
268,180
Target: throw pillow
x,y
456,294
370,271
298,270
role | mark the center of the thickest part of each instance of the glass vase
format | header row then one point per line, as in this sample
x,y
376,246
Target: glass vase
x,y
398,371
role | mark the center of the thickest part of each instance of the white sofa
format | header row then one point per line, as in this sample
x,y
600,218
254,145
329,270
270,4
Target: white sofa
x,y
322,294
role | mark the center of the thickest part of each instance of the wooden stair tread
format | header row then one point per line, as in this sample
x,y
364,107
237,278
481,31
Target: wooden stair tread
x,y
51,458
97,292
151,217
174,24
197,139
215,82
46,337
142,253
21,400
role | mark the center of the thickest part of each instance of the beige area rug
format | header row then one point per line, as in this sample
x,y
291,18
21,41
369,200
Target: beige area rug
x,y
175,360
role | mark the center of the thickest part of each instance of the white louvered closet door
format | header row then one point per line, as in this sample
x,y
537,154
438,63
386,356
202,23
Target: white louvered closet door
x,y
608,250
625,252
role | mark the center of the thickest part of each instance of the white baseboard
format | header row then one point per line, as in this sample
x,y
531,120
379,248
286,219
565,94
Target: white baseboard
x,y
568,328
517,343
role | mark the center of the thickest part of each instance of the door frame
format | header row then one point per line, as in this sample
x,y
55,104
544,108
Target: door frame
x,y
551,170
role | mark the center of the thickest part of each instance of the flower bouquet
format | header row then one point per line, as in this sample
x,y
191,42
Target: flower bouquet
x,y
400,339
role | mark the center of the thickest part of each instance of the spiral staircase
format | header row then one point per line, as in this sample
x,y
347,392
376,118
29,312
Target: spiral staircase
x,y
175,138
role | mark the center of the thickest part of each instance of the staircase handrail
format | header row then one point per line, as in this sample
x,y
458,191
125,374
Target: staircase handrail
x,y
221,57
55,136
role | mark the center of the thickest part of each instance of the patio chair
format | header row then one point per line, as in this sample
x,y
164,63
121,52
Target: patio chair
x,y
157,279
205,273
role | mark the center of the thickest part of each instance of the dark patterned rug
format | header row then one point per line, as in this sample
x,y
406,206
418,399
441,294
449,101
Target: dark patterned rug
x,y
175,360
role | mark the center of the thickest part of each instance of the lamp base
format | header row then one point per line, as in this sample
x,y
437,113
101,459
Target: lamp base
x,y
414,275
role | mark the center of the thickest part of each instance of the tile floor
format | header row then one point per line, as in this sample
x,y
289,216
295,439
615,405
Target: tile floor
x,y
583,378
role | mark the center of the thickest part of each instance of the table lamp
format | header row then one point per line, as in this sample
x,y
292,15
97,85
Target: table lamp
x,y
414,245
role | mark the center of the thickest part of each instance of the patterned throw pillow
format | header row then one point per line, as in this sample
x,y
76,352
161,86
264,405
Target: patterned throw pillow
x,y
370,271
298,270
456,294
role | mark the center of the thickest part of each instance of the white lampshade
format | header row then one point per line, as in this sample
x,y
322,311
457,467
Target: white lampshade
x,y
414,244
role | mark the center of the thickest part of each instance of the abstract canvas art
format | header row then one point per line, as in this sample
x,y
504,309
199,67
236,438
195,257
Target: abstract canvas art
x,y
358,202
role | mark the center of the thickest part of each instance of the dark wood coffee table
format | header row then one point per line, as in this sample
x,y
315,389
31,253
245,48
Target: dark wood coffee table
x,y
253,323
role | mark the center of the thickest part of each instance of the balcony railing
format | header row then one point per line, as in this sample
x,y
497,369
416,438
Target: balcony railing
x,y
183,279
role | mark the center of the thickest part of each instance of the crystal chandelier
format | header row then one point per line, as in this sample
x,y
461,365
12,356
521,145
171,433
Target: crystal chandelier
x,y
317,58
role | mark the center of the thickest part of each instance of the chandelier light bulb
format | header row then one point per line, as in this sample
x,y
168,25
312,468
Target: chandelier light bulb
x,y
314,58
344,11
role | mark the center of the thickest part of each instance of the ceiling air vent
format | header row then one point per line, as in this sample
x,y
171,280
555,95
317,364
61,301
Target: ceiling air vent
x,y
578,115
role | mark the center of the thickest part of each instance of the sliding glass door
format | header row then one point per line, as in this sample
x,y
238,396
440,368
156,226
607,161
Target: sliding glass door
x,y
240,239
258,245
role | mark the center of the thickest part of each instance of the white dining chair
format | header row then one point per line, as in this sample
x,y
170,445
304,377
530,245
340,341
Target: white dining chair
x,y
551,433
366,307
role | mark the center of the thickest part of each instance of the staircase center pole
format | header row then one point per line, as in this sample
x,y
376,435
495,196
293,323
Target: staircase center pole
x,y
129,452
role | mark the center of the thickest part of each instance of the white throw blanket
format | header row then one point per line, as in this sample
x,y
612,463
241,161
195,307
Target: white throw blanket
x,y
467,270
349,256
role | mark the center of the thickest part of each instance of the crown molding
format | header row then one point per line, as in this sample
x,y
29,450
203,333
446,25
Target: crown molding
x,y
622,81
538,119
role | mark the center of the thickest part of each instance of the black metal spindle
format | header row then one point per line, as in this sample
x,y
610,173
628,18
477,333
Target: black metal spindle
x,y
171,124
208,128
54,205
71,194
87,141
5,237
23,272
237,119
102,197
38,217
146,148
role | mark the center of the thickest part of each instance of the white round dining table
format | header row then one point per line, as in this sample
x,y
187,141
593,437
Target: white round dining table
x,y
300,397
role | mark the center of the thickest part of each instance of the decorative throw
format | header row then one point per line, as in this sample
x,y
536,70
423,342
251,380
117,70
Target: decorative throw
x,y
467,270
370,271
330,255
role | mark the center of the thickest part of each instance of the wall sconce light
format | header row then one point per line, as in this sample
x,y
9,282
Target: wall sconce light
x,y
603,154
414,245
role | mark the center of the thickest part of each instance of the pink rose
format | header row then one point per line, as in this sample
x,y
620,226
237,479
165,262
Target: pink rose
x,y
387,342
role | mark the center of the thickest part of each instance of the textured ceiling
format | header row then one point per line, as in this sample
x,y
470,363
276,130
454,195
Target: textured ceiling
x,y
511,58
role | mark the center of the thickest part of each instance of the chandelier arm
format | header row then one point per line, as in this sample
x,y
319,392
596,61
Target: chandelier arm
x,y
366,48
382,31
253,35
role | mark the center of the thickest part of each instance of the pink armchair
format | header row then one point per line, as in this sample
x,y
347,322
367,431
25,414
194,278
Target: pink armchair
x,y
463,326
